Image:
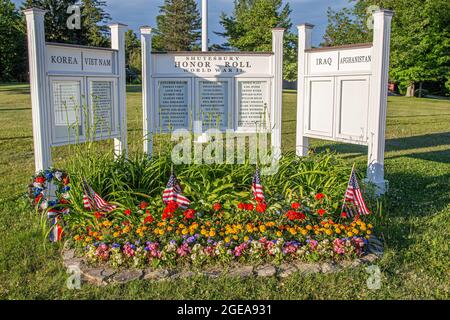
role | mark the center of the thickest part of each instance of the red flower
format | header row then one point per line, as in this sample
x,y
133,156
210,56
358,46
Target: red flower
x,y
259,200
189,214
171,207
166,215
320,196
143,205
261,207
126,223
249,207
40,179
241,206
148,219
217,206
295,205
63,201
127,212
321,212
294,215
343,215
98,215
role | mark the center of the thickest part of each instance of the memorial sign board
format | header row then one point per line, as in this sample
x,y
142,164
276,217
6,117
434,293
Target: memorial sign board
x,y
343,94
78,92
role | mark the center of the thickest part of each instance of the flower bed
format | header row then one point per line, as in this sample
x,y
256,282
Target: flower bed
x,y
299,220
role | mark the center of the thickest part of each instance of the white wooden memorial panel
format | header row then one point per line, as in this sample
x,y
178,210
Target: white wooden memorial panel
x,y
66,110
320,102
213,103
173,104
253,101
352,108
103,107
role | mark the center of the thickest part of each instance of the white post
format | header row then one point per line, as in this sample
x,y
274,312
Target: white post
x,y
277,105
118,43
304,43
37,55
379,91
204,25
148,116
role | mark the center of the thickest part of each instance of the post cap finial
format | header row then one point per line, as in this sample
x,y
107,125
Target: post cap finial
x,y
305,25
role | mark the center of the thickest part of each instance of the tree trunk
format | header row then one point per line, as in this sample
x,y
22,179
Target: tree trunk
x,y
411,90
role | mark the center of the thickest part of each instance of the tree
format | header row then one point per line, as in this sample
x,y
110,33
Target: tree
x,y
250,26
12,43
420,44
93,21
94,30
132,56
178,26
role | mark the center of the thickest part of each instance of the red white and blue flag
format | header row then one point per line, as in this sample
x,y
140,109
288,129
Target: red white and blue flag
x,y
56,230
257,188
353,202
92,201
173,192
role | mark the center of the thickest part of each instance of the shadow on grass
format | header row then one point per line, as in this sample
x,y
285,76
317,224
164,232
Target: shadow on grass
x,y
415,142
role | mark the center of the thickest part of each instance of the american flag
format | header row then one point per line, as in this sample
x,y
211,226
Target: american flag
x,y
173,193
92,201
56,229
353,202
257,188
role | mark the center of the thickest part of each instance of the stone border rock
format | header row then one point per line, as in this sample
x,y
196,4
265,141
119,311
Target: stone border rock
x,y
104,275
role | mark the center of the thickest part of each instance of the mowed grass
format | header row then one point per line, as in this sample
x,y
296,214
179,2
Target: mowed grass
x,y
414,222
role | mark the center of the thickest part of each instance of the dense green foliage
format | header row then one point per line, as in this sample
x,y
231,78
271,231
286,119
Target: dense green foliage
x,y
93,21
414,221
12,53
249,28
132,57
420,45
178,26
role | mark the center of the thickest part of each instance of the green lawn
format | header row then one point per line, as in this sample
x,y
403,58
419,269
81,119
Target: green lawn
x,y
415,222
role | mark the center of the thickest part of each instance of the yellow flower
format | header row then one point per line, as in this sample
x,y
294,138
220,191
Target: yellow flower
x,y
212,233
369,232
329,232
279,233
337,230
304,232
246,238
308,227
370,226
292,231
262,228
235,237
355,231
116,234
161,232
349,234
363,228
100,238
227,239
88,239
185,231
77,237
169,228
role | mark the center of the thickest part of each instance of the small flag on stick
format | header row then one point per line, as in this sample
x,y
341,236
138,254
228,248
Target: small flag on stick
x,y
257,188
93,202
353,200
173,192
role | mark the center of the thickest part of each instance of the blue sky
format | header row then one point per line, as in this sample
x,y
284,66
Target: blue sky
x,y
136,13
